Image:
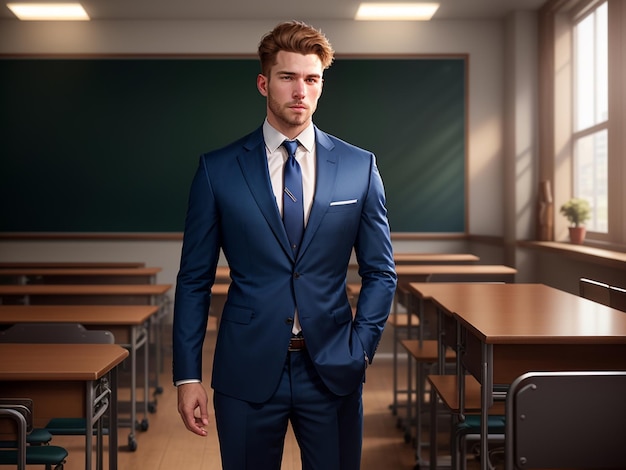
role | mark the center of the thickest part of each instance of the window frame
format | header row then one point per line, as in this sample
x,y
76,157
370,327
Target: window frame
x,y
556,131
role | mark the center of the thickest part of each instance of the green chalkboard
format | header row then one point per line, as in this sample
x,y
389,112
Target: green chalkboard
x,y
111,144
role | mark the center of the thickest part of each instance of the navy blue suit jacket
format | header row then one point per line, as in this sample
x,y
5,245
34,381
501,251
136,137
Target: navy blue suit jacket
x,y
232,208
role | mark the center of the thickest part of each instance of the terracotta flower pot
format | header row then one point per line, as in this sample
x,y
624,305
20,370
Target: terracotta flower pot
x,y
577,235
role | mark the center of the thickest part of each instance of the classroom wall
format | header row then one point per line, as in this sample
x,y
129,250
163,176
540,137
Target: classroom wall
x,y
488,44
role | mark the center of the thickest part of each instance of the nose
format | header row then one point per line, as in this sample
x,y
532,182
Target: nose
x,y
299,89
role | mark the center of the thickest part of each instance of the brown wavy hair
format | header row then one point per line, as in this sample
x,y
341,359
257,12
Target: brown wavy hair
x,y
294,36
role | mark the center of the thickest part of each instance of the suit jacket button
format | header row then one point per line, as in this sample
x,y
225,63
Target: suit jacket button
x,y
296,275
289,321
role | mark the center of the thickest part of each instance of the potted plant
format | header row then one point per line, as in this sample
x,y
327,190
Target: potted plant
x,y
577,211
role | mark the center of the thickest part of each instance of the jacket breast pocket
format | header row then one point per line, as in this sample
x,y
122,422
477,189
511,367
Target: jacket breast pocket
x,y
343,205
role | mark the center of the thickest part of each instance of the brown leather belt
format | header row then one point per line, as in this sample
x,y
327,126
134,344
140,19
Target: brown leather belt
x,y
297,344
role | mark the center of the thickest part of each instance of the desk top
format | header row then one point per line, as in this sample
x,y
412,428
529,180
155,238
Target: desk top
x,y
526,313
85,289
401,258
70,264
83,314
34,271
58,361
473,269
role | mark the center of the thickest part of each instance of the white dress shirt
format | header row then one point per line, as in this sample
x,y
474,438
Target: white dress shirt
x,y
276,158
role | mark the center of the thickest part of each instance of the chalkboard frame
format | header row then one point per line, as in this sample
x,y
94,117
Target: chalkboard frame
x,y
373,89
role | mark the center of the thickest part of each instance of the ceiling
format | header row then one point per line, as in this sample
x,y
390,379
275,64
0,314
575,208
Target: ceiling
x,y
277,9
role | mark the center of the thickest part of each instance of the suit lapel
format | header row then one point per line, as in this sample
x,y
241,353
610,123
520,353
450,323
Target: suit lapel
x,y
253,164
325,182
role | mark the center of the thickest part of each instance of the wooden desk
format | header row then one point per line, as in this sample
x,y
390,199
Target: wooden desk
x,y
70,264
431,272
446,298
434,258
83,294
102,294
73,380
79,275
505,330
445,272
128,323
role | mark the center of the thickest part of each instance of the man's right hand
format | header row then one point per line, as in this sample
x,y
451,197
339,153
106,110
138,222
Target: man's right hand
x,y
192,397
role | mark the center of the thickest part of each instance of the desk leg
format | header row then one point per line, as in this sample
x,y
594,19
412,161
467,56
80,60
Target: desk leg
x,y
99,442
460,371
113,424
409,399
89,411
434,399
420,389
132,442
156,320
147,406
396,338
486,400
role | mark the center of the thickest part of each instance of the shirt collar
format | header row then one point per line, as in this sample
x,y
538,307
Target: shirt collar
x,y
274,139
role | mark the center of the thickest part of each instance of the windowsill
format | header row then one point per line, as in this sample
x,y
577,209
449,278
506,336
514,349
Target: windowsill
x,y
601,256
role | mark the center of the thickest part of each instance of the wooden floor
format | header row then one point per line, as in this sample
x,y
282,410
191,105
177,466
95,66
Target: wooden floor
x,y
168,445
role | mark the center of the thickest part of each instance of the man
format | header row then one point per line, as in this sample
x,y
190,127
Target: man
x,y
288,347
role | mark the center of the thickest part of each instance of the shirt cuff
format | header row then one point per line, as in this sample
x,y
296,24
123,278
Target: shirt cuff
x,y
187,381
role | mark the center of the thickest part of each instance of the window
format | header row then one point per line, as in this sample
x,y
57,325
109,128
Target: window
x,y
582,131
591,115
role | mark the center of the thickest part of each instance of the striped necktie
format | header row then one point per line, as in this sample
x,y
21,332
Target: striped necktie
x,y
293,211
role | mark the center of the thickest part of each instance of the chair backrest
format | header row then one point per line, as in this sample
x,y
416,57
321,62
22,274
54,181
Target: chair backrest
x,y
16,415
54,333
594,290
23,406
566,420
618,298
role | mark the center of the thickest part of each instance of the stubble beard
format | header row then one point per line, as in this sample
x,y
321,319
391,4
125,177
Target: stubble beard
x,y
285,115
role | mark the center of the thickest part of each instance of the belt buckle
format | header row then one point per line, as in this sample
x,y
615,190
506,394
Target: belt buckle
x,y
296,344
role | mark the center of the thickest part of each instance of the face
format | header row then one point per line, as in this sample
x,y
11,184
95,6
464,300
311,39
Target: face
x,y
292,90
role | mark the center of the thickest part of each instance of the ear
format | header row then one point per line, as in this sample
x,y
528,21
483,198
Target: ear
x,y
262,84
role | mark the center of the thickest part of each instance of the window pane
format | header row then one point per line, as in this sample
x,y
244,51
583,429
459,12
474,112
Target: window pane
x,y
591,70
602,64
591,177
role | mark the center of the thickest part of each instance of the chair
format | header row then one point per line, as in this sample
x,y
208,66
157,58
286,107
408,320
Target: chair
x,y
19,452
35,437
404,326
594,290
469,430
566,420
63,333
425,355
617,298
58,333
444,390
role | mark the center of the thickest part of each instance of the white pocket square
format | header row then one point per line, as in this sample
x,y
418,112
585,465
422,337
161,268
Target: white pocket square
x,y
343,203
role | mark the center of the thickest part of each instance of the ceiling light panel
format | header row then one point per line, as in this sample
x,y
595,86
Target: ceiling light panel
x,y
49,11
396,11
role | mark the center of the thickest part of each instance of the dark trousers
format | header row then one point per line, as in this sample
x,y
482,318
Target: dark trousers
x,y
328,428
